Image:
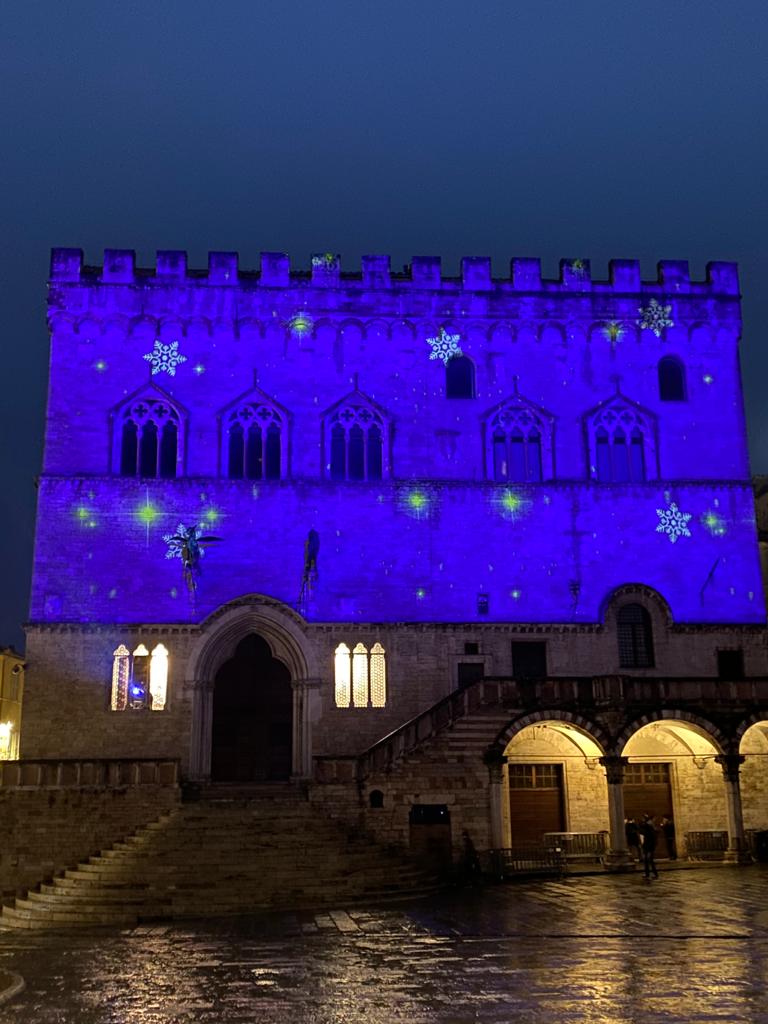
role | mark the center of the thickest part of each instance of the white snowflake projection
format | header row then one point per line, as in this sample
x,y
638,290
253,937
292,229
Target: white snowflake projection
x,y
673,522
655,317
445,346
165,358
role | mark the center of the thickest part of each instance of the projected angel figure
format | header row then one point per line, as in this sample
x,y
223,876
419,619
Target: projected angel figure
x,y
188,544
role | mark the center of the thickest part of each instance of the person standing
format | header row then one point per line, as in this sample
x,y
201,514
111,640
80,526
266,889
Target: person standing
x,y
648,836
633,838
668,828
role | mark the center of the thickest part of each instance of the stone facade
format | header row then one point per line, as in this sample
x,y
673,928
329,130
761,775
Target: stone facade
x,y
583,453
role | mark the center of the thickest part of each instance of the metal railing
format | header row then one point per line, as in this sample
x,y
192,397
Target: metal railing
x,y
527,859
706,844
77,773
526,694
589,846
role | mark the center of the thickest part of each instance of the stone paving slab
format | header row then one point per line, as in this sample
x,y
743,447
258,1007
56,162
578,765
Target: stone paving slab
x,y
692,948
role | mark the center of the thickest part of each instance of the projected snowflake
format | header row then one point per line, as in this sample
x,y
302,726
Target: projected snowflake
x,y
301,325
655,317
445,346
165,358
673,522
614,331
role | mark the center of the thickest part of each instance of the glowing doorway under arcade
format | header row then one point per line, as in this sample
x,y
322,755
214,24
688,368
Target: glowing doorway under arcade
x,y
252,729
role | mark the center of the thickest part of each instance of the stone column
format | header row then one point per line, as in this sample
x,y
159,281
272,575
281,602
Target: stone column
x,y
200,738
617,858
305,693
737,851
495,797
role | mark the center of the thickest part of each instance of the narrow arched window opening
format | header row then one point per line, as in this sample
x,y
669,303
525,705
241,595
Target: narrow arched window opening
x,y
149,439
254,443
460,378
520,437
360,676
356,444
671,380
635,637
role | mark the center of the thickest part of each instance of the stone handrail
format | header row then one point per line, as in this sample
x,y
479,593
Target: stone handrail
x,y
529,694
78,773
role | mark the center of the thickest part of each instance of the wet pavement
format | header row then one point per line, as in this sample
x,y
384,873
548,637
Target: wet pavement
x,y
691,947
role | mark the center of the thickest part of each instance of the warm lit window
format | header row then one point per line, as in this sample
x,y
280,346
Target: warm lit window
x,y
360,676
139,679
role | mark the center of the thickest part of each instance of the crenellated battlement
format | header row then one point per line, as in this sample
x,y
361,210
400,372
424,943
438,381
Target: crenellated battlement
x,y
423,274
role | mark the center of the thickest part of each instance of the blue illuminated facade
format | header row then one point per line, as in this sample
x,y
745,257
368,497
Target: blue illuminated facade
x,y
530,498
382,482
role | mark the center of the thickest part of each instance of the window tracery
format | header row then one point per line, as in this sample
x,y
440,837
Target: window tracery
x,y
139,678
255,442
149,438
360,676
621,439
519,439
357,441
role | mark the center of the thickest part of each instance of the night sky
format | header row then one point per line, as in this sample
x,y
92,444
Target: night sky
x,y
547,128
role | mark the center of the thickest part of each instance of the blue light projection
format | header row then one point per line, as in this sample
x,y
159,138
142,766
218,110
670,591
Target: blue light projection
x,y
425,514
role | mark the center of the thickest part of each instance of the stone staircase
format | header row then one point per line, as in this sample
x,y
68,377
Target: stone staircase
x,y
235,851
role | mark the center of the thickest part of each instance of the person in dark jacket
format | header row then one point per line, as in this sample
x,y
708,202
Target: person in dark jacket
x,y
648,837
632,833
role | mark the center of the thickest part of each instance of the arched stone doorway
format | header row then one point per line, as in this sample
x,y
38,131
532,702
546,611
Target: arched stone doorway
x,y
283,631
251,732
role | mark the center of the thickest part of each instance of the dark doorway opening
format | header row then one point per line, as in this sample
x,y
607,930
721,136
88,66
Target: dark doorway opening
x,y
252,716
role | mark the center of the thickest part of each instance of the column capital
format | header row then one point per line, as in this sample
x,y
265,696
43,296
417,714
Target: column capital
x,y
614,768
730,763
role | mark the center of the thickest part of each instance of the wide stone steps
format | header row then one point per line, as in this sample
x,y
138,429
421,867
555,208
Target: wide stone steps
x,y
222,857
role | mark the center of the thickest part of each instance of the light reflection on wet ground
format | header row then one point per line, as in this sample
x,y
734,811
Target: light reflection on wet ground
x,y
690,948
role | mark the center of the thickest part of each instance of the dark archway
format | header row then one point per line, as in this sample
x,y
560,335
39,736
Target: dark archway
x,y
252,716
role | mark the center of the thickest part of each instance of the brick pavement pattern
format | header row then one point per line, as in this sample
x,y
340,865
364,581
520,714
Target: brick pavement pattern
x,y
692,947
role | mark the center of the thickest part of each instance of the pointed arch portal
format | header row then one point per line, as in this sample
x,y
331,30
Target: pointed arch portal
x,y
251,732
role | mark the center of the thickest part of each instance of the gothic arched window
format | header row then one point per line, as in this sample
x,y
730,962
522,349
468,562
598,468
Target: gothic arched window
x,y
671,380
621,442
149,438
460,378
520,439
255,442
635,637
139,679
360,676
356,442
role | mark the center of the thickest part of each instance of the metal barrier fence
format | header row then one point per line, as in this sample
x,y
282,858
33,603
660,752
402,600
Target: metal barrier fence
x,y
527,859
706,844
579,845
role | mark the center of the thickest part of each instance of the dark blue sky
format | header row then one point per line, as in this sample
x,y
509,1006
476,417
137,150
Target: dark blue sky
x,y
430,127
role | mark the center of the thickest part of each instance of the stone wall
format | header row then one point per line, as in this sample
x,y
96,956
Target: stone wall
x,y
45,829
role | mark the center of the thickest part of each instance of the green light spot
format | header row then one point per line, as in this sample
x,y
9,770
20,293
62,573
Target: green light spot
x,y
421,593
212,515
511,502
418,500
516,594
708,378
101,366
147,513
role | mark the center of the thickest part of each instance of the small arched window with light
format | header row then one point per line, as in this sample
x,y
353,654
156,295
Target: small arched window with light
x,y
360,676
139,678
